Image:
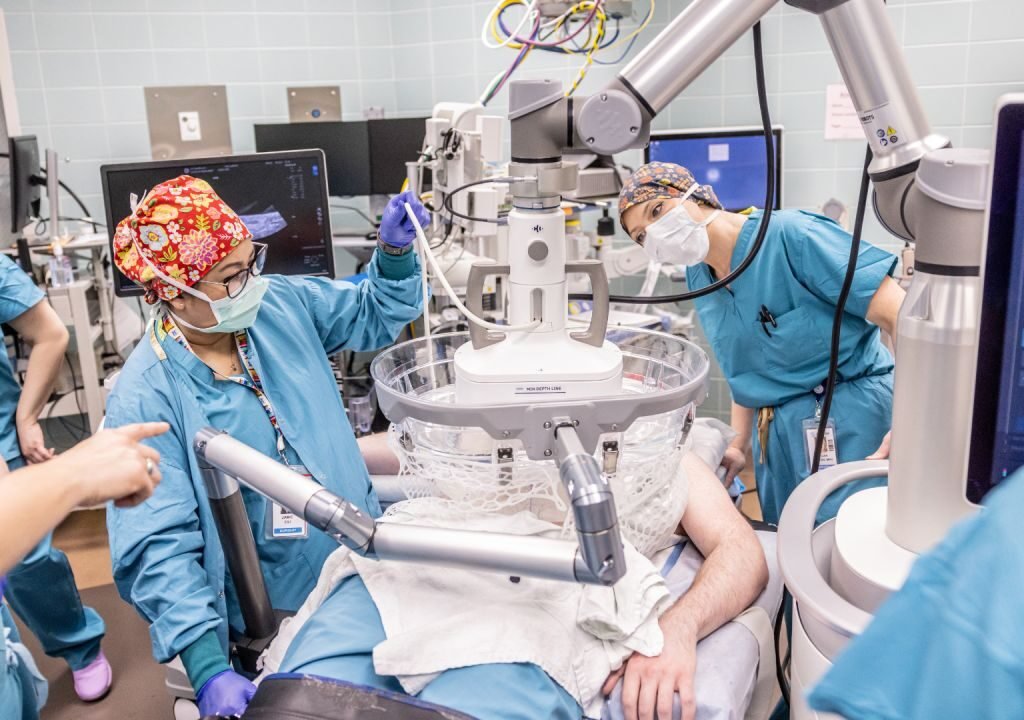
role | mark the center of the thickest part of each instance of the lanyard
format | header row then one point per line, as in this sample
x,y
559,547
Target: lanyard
x,y
166,327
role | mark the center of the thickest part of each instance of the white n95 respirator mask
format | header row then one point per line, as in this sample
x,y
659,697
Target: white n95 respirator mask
x,y
676,238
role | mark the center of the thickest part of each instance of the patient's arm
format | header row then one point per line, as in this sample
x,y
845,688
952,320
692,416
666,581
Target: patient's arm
x,y
377,455
733,574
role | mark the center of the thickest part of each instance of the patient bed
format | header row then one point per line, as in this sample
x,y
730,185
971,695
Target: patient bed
x,y
735,664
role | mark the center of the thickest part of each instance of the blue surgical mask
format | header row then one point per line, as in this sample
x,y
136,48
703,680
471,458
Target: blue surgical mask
x,y
231,314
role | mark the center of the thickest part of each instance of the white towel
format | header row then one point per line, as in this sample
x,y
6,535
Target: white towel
x,y
441,618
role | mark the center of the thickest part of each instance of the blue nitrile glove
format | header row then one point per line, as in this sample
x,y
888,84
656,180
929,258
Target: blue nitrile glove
x,y
227,693
3,586
396,229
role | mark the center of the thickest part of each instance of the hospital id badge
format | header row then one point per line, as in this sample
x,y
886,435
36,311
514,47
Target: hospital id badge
x,y
829,449
282,523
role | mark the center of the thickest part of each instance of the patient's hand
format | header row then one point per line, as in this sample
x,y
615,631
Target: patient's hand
x,y
652,682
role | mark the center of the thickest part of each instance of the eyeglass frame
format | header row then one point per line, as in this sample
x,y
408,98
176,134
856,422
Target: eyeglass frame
x,y
253,269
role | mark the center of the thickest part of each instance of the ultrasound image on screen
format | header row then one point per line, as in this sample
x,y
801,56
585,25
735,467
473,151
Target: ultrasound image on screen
x,y
281,200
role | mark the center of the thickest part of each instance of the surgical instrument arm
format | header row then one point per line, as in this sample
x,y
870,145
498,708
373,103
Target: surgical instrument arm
x,y
220,454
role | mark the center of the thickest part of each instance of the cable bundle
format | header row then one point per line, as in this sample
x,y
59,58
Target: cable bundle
x,y
587,38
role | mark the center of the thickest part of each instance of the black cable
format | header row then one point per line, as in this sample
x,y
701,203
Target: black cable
x,y
367,218
69,191
75,197
837,321
454,213
780,671
830,383
43,222
769,202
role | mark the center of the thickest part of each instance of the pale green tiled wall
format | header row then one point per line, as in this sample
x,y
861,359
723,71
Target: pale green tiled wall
x,y
79,66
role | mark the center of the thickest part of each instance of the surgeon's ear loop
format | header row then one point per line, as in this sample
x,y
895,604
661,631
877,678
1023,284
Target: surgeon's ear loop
x,y
769,202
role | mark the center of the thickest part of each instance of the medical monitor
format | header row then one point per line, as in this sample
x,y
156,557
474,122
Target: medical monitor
x,y
393,143
26,194
731,160
997,426
346,147
281,197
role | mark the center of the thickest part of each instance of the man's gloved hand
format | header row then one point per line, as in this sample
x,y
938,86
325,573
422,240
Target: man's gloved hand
x,y
396,229
226,694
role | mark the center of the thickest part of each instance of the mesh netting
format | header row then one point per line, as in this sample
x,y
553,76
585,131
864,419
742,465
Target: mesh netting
x,y
462,467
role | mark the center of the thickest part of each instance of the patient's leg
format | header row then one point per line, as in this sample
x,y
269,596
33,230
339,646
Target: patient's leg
x,y
509,691
337,641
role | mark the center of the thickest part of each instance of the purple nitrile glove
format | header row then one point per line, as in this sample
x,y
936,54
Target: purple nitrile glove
x,y
396,229
226,694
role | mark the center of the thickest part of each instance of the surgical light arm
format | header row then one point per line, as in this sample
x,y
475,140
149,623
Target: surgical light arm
x,y
596,561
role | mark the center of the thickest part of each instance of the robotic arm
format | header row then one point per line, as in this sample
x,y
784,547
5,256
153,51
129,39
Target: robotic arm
x,y
226,462
923,191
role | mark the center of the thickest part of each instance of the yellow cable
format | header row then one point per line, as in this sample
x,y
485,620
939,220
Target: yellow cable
x,y
589,60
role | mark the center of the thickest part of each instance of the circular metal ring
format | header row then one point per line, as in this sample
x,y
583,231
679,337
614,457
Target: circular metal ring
x,y
150,467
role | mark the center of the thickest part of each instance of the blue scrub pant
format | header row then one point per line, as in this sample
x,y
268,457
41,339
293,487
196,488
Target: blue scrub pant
x,y
862,410
41,590
17,700
338,641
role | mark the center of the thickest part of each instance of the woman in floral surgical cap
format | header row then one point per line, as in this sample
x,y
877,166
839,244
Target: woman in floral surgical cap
x,y
232,348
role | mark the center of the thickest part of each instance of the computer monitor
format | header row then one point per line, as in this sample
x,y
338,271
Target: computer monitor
x,y
346,147
997,426
393,143
731,160
23,151
281,197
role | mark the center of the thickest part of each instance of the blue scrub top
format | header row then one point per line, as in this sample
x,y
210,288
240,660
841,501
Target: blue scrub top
x,y
950,643
797,276
166,553
18,294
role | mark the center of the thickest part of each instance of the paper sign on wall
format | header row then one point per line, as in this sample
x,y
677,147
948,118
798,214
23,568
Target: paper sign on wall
x,y
841,120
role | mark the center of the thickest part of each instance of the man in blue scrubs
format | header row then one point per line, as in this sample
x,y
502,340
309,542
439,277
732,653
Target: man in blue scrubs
x,y
41,589
770,330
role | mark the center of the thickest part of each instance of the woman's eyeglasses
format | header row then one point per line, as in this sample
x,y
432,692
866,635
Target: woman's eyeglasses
x,y
235,284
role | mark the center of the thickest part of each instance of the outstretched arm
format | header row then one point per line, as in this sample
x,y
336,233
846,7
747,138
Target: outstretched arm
x,y
733,573
111,465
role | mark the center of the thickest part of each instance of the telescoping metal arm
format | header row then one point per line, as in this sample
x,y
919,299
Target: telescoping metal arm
x,y
493,552
593,505
862,41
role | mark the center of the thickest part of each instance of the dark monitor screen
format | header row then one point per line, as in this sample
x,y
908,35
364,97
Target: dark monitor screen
x,y
393,143
346,147
23,155
281,197
997,426
730,161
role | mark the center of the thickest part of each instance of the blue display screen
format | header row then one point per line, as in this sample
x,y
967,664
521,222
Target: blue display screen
x,y
1008,453
734,165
